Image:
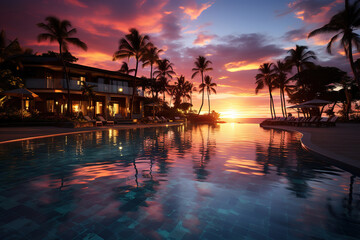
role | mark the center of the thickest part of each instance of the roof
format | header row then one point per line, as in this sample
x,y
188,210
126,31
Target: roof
x,y
55,62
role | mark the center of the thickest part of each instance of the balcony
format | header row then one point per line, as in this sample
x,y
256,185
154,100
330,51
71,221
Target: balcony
x,y
75,85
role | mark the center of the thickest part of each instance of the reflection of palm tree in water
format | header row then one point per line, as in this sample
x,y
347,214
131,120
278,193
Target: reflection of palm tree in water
x,y
348,219
206,152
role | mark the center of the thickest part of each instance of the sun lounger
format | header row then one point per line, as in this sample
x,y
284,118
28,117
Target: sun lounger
x,y
313,120
101,118
97,123
332,121
164,119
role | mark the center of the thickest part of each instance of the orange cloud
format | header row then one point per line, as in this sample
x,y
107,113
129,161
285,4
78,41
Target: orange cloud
x,y
195,11
300,15
223,77
241,66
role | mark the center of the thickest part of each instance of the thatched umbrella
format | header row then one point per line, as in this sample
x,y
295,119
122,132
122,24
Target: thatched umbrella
x,y
20,93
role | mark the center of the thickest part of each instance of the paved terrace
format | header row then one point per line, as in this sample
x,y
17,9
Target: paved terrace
x,y
340,143
13,134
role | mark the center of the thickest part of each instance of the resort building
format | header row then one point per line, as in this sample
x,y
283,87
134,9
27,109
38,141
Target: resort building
x,y
112,89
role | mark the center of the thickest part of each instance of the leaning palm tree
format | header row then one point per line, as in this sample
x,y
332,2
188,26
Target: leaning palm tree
x,y
265,78
202,65
300,58
209,87
280,79
344,24
58,31
132,45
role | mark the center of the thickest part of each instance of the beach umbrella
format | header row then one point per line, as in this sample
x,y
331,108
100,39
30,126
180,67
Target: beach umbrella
x,y
20,93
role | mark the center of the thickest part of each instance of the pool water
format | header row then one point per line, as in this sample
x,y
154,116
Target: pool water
x,y
232,181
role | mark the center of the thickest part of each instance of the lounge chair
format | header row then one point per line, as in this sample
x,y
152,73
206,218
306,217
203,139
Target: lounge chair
x,y
159,119
96,123
313,120
106,122
164,119
332,121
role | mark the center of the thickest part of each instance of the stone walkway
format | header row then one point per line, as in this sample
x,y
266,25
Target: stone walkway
x,y
341,143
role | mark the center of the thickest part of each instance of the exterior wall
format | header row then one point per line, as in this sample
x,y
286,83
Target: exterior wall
x,y
112,93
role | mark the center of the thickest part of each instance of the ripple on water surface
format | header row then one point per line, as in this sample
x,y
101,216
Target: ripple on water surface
x,y
233,181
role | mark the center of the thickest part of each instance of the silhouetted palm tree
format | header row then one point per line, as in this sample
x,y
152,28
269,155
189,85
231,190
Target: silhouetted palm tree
x,y
281,69
265,78
125,68
180,90
58,31
202,65
163,73
300,58
132,45
88,91
150,57
344,24
209,87
8,48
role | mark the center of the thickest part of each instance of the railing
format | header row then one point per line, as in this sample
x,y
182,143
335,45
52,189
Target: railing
x,y
75,85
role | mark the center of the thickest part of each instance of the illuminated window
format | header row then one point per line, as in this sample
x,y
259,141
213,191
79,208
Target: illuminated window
x,y
120,89
49,82
50,105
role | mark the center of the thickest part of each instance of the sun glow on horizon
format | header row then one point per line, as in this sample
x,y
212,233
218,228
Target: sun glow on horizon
x,y
231,114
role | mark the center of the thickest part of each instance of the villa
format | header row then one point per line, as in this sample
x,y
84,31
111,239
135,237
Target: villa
x,y
113,90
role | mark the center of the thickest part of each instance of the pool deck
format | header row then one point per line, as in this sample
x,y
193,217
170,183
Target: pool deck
x,y
14,134
340,143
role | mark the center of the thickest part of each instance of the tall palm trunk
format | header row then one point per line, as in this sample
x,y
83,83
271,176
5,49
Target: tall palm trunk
x,y
272,107
209,99
283,94
134,89
202,99
282,105
67,78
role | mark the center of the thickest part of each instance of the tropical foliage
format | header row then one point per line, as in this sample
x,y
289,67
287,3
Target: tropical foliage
x,y
61,31
201,65
344,24
266,79
133,45
207,86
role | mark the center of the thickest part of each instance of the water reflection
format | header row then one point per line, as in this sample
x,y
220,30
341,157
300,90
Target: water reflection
x,y
179,180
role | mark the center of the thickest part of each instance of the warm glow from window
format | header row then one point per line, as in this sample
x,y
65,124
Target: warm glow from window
x,y
120,89
76,108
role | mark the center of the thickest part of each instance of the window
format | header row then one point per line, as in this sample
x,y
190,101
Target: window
x,y
49,82
50,105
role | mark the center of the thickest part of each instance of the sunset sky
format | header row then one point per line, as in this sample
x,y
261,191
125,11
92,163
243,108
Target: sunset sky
x,y
237,36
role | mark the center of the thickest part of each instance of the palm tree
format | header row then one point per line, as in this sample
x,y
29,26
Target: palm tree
x,y
344,24
57,31
132,45
7,50
88,91
265,78
180,90
202,65
150,57
125,69
281,69
300,58
163,73
209,87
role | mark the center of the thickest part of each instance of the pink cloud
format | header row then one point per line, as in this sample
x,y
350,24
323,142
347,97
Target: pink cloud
x,y
76,3
203,39
194,11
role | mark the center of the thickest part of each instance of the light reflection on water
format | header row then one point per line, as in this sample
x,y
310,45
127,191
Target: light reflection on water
x,y
180,182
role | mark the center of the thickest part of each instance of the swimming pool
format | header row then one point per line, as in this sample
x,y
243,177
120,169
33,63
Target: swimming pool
x,y
233,181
